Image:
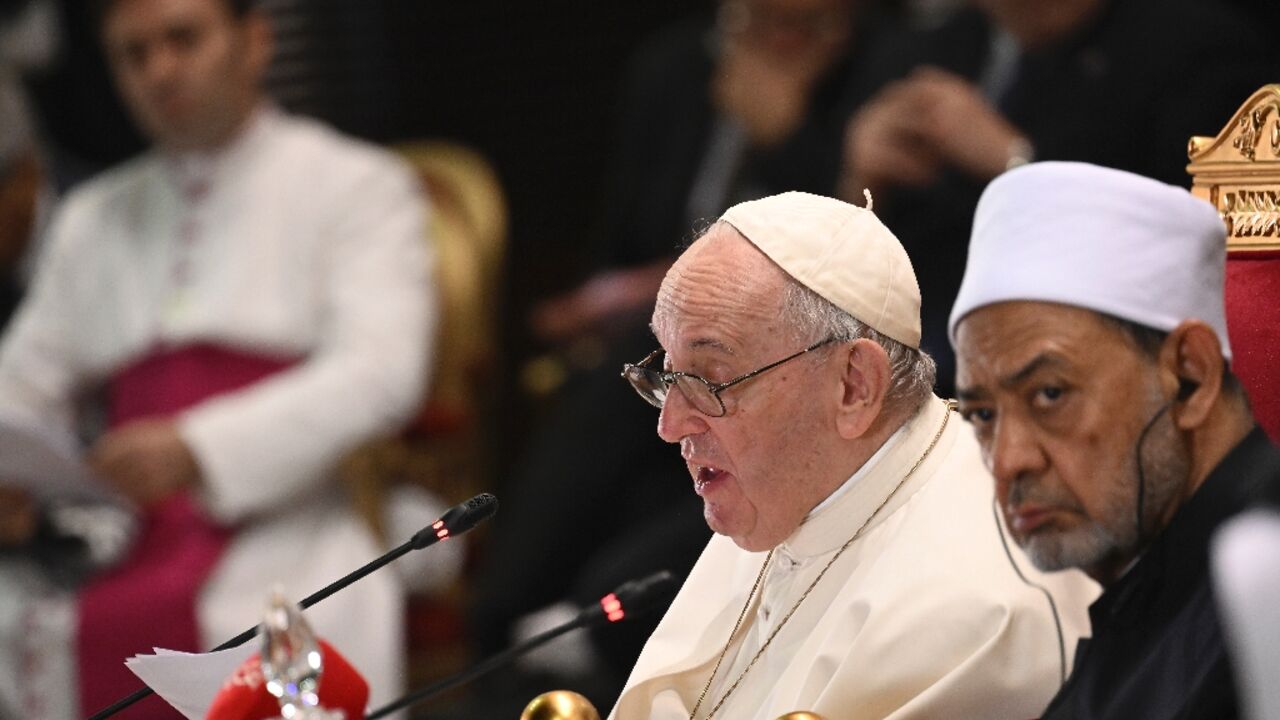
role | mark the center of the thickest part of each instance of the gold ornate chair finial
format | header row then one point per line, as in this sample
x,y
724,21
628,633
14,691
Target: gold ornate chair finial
x,y
1238,172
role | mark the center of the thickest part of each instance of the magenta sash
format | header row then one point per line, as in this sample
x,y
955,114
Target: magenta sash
x,y
149,599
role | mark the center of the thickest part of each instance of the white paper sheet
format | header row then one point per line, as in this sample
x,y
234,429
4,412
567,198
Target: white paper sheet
x,y
46,464
189,681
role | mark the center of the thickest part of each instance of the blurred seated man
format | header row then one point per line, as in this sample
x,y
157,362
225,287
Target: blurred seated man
x,y
716,113
859,568
1120,83
250,301
1093,363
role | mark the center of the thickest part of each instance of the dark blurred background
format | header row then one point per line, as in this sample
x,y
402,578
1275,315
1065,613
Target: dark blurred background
x,y
536,89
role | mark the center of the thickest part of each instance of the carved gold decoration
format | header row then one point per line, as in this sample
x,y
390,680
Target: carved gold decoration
x,y
560,705
1252,128
1238,172
1251,213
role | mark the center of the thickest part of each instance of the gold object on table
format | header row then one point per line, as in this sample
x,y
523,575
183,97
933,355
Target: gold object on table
x,y
1238,172
801,715
560,705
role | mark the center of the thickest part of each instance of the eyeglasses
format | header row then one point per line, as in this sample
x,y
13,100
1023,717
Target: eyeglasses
x,y
704,395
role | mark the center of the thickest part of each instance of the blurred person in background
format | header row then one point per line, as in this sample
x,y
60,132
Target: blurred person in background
x,y
716,110
246,302
1119,83
714,113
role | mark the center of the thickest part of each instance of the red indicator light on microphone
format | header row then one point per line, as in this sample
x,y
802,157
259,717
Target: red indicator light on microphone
x,y
443,533
612,607
437,525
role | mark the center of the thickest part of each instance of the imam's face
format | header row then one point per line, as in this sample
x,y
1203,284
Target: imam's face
x,y
1058,398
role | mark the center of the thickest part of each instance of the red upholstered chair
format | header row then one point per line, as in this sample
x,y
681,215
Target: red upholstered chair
x,y
1239,172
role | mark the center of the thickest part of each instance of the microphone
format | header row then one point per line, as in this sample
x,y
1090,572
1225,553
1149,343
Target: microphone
x,y
628,600
457,520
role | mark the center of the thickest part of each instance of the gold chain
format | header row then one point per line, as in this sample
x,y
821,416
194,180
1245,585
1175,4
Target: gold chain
x,y
760,579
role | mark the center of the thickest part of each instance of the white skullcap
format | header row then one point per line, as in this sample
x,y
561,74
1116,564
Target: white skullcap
x,y
1100,239
840,251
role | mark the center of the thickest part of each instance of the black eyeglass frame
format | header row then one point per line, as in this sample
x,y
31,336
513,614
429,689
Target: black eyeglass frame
x,y
668,378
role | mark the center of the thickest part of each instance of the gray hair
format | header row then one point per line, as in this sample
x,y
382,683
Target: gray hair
x,y
812,318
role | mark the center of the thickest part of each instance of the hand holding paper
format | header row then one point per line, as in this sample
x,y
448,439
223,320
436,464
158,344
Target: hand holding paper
x,y
45,464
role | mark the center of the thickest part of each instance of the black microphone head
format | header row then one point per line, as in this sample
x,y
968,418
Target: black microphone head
x,y
464,516
635,597
457,520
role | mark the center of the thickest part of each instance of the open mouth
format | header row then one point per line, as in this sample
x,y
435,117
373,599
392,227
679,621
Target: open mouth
x,y
706,477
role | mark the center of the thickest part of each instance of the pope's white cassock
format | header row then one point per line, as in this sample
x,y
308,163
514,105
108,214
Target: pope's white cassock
x,y
292,244
931,613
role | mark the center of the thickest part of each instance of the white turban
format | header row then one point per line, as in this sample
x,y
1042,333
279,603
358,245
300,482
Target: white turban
x,y
1100,239
840,251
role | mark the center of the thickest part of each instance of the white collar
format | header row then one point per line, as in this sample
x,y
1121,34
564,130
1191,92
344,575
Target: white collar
x,y
861,472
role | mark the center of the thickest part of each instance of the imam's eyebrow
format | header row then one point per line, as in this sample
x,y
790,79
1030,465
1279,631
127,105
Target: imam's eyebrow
x,y
975,394
1038,362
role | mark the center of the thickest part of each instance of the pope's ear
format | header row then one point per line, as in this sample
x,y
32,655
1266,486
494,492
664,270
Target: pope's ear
x,y
864,382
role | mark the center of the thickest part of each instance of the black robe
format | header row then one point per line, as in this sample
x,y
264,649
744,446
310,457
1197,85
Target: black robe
x,y
1157,650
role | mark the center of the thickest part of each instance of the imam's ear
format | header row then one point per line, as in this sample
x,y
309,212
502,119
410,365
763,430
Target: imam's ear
x,y
1193,358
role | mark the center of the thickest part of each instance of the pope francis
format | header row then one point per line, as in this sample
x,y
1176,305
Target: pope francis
x,y
859,568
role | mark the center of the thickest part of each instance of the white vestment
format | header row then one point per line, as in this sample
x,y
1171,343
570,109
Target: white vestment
x,y
926,615
301,243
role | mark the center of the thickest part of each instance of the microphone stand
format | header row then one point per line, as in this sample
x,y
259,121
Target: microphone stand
x,y
484,667
630,599
459,519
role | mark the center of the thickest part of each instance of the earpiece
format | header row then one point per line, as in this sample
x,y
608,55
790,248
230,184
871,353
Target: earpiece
x,y
1186,388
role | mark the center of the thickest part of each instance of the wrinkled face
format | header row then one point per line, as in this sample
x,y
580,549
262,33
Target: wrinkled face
x,y
1059,400
759,467
188,69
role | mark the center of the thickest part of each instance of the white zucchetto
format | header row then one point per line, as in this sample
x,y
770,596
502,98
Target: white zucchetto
x,y
840,251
